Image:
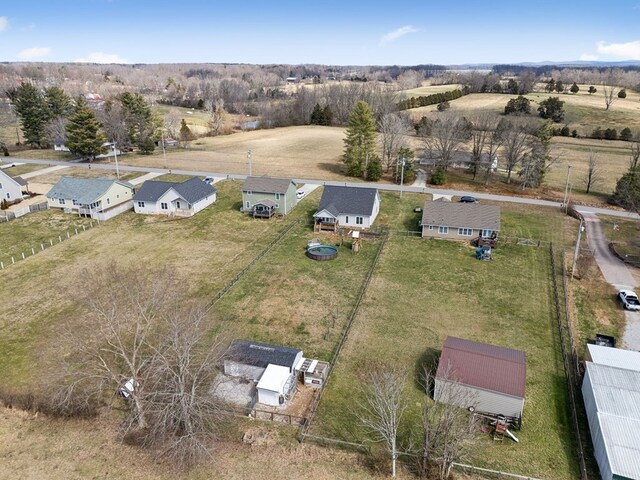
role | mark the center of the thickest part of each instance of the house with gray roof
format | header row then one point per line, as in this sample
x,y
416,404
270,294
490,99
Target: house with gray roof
x,y
248,359
99,198
263,197
459,221
181,199
11,187
354,208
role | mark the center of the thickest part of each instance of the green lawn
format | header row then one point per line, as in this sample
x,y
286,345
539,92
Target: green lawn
x,y
415,300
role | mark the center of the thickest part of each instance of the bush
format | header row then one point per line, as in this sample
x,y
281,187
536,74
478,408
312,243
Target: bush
x,y
564,131
4,204
439,177
518,105
610,134
443,106
598,134
574,133
374,170
622,93
626,135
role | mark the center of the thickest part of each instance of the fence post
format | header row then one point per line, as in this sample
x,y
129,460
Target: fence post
x,y
76,231
12,261
42,246
83,229
32,251
22,253
51,242
60,238
67,233
1,266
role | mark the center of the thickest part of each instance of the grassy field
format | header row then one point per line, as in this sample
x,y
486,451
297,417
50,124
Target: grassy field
x,y
425,90
22,169
52,177
626,238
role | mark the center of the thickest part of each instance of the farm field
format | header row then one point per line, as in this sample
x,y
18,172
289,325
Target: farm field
x,y
416,300
425,90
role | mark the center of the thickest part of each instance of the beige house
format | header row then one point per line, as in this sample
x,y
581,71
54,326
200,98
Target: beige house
x,y
99,198
459,221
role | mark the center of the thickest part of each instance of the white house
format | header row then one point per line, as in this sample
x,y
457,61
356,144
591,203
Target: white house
x,y
11,187
182,199
275,385
99,198
347,207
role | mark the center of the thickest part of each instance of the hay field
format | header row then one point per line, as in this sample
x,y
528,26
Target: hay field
x,y
299,152
425,90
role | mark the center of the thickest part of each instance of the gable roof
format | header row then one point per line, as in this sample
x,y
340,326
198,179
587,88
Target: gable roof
x,y
461,215
19,180
485,366
261,354
614,357
267,184
348,200
83,190
191,190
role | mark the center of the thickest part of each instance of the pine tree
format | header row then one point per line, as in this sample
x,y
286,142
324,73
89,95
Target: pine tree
x,y
58,102
360,143
317,116
574,88
84,133
592,90
31,109
142,126
327,115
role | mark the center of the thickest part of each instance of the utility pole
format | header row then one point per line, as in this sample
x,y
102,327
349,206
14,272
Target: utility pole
x,y
164,152
115,155
566,191
577,250
402,175
249,158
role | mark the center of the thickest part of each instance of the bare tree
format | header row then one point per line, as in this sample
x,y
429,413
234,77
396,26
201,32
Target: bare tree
x,y
635,153
594,172
393,136
483,127
610,94
448,431
448,133
384,407
492,145
515,145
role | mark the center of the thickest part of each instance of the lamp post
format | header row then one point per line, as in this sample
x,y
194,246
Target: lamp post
x,y
402,175
249,159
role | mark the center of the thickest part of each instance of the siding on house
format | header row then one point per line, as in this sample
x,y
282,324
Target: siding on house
x,y
180,198
482,400
462,221
281,191
74,194
10,188
352,207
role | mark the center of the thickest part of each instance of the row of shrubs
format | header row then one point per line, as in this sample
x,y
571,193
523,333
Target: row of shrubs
x,y
433,99
599,134
54,404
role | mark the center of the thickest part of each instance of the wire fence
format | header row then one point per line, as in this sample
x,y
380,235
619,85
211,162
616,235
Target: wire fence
x,y
42,246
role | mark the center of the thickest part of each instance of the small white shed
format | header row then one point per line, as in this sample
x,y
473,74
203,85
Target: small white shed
x,y
275,385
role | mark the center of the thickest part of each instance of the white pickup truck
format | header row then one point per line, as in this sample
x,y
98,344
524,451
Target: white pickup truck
x,y
629,299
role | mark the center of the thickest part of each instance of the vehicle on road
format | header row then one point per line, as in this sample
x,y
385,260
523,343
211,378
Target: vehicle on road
x,y
468,199
629,299
208,180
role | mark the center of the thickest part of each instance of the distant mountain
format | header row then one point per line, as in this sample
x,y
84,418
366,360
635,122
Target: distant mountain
x,y
570,63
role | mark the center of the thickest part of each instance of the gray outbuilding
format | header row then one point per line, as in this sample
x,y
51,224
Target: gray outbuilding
x,y
249,359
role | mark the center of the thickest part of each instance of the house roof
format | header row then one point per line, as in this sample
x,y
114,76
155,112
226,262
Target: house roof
x,y
347,200
616,393
19,180
267,184
266,202
461,215
83,190
614,357
274,378
485,366
191,190
261,354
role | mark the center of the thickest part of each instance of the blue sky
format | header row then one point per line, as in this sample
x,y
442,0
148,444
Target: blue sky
x,y
328,32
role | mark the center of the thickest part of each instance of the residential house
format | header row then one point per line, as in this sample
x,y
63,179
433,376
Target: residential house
x,y
482,377
611,393
459,221
354,208
264,197
99,198
249,360
11,187
182,199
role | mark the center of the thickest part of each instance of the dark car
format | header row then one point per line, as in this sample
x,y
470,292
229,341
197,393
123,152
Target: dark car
x,y
468,199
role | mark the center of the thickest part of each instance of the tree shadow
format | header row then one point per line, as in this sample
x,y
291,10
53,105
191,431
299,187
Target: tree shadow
x,y
412,221
426,362
331,167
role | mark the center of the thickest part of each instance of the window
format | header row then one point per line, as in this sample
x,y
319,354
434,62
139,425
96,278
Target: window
x,y
178,204
346,219
277,205
164,206
277,196
248,204
61,200
487,233
249,192
108,201
0,185
75,202
467,232
443,230
141,204
358,220
430,227
8,195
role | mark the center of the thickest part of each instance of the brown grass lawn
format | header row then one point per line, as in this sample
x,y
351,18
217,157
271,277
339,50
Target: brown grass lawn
x,y
299,152
22,169
53,177
425,90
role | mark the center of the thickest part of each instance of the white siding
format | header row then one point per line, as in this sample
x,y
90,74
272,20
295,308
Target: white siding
x,y
235,369
112,212
483,400
172,198
10,190
599,448
342,221
267,397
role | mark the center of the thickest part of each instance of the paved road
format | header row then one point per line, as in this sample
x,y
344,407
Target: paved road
x,y
616,273
388,187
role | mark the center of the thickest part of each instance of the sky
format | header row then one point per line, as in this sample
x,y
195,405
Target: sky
x,y
396,32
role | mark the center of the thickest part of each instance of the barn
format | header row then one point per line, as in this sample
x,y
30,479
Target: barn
x,y
249,359
486,378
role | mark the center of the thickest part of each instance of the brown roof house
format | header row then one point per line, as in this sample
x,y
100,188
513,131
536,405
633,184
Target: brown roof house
x,y
481,377
459,221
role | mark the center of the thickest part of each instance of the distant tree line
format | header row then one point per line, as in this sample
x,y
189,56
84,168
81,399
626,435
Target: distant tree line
x,y
433,99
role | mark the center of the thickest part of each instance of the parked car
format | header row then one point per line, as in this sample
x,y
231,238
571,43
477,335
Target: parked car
x,y
468,199
208,180
629,299
299,194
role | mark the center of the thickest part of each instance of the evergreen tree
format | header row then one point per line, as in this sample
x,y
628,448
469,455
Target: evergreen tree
x,y
622,93
627,193
317,116
31,109
574,88
84,133
592,90
58,102
327,115
512,86
519,105
143,128
410,169
552,108
559,86
185,134
550,86
360,142
625,134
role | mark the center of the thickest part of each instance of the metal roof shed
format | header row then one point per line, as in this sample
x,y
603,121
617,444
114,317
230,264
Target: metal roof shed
x,y
248,359
489,378
275,385
612,402
613,357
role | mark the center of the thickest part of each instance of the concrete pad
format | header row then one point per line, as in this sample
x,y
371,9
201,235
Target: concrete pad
x,y
307,189
144,178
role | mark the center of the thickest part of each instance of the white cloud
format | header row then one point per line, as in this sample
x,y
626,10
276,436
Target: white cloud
x,y
626,51
587,57
396,34
33,52
4,23
101,57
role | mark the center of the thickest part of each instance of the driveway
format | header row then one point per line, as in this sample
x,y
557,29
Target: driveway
x,y
616,273
421,179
